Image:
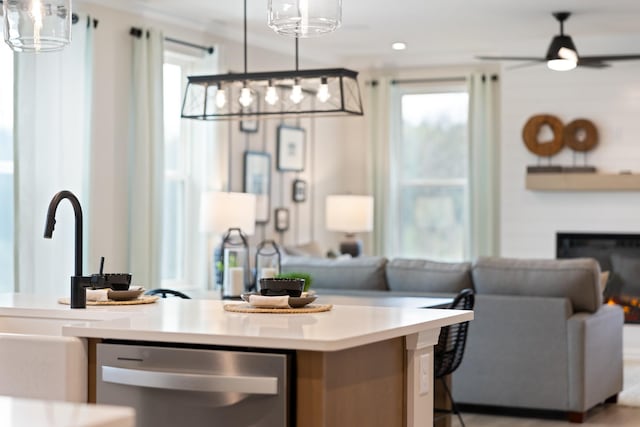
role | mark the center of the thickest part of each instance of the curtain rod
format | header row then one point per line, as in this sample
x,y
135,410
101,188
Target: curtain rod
x,y
429,80
493,77
137,32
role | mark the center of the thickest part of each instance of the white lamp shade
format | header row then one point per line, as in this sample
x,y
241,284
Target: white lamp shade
x,y
349,213
220,211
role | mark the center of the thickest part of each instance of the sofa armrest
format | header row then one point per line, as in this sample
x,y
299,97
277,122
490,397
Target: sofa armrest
x,y
595,354
511,340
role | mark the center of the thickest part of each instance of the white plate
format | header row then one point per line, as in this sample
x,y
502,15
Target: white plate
x,y
294,302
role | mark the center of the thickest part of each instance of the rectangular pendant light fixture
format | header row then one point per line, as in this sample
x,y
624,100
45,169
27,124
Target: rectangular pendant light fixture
x,y
326,92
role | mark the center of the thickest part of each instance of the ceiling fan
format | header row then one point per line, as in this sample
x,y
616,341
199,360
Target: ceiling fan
x,y
562,54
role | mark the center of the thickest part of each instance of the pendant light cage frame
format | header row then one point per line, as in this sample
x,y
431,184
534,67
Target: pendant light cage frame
x,y
202,94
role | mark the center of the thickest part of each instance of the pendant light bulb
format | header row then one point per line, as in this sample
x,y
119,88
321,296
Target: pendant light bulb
x,y
245,97
271,97
296,93
323,94
221,97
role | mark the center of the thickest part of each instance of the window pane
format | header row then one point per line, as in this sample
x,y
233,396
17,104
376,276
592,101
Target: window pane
x,y
174,182
172,93
434,136
6,170
172,231
432,222
431,170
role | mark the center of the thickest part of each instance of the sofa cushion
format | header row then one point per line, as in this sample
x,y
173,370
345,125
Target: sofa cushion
x,y
349,273
575,279
416,275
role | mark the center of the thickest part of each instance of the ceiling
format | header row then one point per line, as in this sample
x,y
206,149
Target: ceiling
x,y
436,32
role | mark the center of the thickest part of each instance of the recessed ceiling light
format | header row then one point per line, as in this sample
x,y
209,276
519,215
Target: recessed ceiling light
x,y
399,46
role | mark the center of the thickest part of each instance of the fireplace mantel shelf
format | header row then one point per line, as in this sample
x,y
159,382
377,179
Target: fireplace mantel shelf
x,y
583,182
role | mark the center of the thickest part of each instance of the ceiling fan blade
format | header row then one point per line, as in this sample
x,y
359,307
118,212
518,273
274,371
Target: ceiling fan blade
x,y
592,64
511,58
606,58
524,65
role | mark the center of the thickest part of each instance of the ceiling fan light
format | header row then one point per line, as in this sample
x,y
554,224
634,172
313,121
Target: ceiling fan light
x,y
562,54
561,64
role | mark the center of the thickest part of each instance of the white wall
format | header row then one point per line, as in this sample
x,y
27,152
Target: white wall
x,y
611,99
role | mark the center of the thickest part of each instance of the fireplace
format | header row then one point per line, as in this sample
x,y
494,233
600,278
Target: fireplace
x,y
617,254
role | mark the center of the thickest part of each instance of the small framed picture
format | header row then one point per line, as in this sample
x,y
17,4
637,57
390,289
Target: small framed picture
x,y
291,142
257,180
250,125
299,190
282,219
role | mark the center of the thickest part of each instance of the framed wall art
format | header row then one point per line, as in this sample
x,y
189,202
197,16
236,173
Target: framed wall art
x,y
299,190
282,220
257,180
291,146
250,125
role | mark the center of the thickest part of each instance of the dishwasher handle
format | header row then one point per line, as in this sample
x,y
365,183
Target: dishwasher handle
x,y
190,382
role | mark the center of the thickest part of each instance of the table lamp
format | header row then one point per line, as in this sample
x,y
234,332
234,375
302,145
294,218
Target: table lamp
x,y
221,212
349,214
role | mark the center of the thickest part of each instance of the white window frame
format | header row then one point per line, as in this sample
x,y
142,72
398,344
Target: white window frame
x,y
395,184
187,240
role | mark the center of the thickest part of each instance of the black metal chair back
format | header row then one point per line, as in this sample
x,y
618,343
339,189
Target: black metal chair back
x,y
449,350
452,339
164,292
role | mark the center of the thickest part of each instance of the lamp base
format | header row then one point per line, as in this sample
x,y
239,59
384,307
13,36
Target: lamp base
x,y
352,247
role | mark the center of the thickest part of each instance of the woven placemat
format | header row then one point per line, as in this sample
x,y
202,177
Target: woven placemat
x,y
143,299
246,308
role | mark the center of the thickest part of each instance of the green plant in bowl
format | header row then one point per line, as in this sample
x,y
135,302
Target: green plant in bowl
x,y
308,280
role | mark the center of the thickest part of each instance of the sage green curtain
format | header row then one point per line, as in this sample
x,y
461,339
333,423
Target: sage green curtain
x,y
52,143
146,168
484,179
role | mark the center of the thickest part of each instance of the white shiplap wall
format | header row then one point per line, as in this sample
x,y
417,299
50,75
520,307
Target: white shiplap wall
x,y
611,99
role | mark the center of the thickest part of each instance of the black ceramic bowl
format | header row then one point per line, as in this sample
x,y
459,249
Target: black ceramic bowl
x,y
279,287
118,281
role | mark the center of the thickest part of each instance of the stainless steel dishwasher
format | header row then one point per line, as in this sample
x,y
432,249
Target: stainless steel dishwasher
x,y
191,387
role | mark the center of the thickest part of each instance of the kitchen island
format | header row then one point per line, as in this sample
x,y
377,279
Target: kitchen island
x,y
355,365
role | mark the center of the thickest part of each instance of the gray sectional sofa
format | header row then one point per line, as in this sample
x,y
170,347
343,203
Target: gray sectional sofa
x,y
541,337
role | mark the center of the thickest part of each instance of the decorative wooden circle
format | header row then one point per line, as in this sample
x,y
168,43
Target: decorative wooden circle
x,y
532,129
572,130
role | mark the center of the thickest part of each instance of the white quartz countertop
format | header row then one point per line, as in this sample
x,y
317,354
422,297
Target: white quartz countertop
x,y
205,321
15,412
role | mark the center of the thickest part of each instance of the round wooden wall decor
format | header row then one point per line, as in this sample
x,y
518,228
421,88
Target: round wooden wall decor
x,y
572,133
532,129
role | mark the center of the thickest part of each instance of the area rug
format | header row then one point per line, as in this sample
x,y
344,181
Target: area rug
x,y
630,395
